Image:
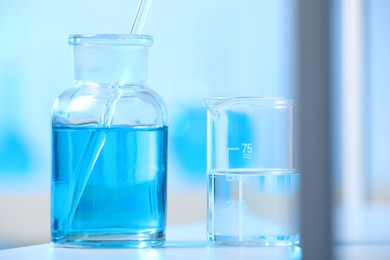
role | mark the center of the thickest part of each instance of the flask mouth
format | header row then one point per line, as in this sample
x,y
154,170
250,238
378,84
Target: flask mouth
x,y
110,58
110,39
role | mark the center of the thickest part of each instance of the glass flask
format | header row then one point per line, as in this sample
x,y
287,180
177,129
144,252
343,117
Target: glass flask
x,y
253,180
109,148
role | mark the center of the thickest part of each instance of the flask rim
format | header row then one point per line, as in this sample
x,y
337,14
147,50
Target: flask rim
x,y
110,39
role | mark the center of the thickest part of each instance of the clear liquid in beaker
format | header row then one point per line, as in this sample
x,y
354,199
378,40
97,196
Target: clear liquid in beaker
x,y
253,207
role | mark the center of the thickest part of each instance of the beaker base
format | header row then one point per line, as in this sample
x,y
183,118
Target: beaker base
x,y
251,241
110,240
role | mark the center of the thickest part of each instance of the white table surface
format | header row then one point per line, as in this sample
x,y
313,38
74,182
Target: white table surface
x,y
172,250
372,242
183,242
190,250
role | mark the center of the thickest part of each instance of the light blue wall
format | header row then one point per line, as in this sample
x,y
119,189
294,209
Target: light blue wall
x,y
202,48
378,94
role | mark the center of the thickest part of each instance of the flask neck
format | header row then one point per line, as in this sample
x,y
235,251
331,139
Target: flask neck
x,y
110,59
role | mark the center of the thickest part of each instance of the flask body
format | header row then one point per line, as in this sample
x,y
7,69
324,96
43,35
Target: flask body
x,y
109,149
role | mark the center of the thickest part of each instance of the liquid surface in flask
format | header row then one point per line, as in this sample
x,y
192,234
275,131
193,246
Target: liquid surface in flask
x,y
253,207
124,199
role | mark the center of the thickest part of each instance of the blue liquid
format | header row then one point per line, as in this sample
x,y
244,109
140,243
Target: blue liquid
x,y
123,203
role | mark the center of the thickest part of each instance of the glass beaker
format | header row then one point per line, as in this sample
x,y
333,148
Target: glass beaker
x,y
109,141
253,180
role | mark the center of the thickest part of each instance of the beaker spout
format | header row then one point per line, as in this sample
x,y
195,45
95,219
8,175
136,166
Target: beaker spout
x,y
212,102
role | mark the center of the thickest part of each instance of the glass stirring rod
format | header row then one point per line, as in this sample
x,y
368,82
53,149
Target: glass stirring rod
x,y
140,17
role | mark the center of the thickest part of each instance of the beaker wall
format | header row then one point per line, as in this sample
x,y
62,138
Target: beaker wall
x,y
253,178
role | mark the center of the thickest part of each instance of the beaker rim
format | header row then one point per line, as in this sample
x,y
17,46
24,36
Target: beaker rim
x,y
258,101
110,39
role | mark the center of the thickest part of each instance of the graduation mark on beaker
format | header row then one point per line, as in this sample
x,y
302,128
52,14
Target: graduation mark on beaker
x,y
232,204
247,150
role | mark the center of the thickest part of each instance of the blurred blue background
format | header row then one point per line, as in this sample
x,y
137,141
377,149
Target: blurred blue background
x,y
198,52
202,48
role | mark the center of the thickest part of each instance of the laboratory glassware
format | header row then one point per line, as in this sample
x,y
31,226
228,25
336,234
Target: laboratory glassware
x,y
109,148
252,172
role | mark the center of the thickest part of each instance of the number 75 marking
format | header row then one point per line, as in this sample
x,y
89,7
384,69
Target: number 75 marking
x,y
247,148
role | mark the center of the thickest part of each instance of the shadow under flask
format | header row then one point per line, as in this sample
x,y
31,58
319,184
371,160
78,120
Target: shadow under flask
x,y
109,148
